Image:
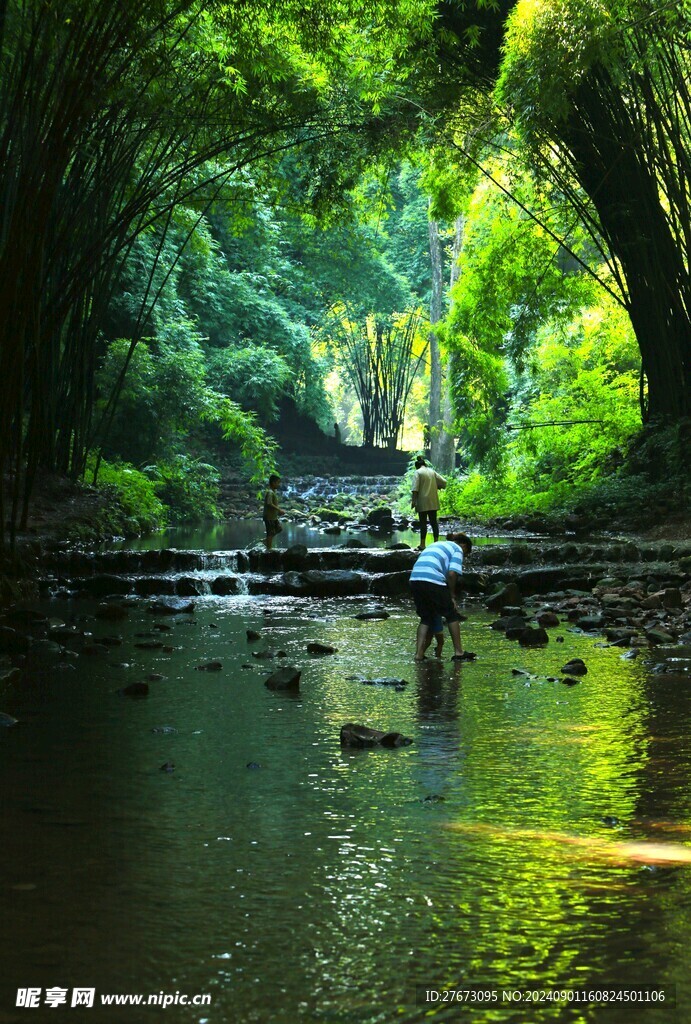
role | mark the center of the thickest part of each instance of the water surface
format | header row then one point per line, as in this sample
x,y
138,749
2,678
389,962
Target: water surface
x,y
325,885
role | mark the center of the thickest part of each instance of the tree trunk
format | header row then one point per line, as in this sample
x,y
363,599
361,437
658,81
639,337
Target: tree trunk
x,y
611,164
436,258
446,460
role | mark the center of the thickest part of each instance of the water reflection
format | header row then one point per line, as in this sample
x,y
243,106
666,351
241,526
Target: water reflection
x,y
326,884
239,534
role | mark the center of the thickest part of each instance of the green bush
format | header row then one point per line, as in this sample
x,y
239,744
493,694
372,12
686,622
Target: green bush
x,y
188,487
138,510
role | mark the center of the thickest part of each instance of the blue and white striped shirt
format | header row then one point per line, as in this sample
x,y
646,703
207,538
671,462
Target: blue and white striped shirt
x,y
434,562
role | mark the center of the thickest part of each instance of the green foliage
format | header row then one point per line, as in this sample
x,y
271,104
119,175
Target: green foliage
x,y
259,451
187,486
133,492
256,377
162,396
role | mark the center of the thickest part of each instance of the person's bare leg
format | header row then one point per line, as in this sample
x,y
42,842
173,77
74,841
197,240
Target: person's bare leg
x,y
455,631
422,641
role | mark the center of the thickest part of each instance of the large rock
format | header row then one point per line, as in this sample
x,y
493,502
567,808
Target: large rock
x,y
287,678
381,516
225,585
391,584
508,595
533,637
314,583
361,737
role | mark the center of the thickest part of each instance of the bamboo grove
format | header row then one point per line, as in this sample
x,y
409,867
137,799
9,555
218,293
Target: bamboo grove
x,y
110,116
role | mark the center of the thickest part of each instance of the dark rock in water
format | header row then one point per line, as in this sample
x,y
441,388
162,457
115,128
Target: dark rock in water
x,y
391,584
155,677
171,608
396,684
162,627
575,667
110,641
94,649
253,765
507,623
610,821
135,690
520,672
433,798
314,647
335,530
287,678
12,675
225,585
590,623
559,640
24,618
372,615
533,637
253,635
12,642
658,636
149,645
567,681
164,730
548,618
154,586
316,583
353,543
264,655
508,595
211,666
381,516
189,586
168,767
361,737
7,721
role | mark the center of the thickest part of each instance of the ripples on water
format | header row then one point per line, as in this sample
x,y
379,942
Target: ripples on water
x,y
325,885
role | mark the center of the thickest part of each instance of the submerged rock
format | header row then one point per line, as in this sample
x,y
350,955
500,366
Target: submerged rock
x,y
135,690
171,608
314,647
396,684
211,666
7,721
361,737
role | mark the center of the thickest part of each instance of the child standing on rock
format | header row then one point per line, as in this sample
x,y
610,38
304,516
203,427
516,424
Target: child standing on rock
x,y
272,511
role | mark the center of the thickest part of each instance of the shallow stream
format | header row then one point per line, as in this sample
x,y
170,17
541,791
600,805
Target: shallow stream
x,y
323,884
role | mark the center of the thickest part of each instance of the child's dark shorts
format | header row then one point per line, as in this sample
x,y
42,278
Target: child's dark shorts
x,y
432,600
272,527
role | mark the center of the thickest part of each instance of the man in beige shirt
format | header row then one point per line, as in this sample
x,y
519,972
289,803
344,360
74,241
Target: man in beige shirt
x,y
425,498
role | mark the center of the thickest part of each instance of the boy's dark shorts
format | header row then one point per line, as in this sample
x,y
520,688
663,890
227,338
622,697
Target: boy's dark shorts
x,y
272,527
432,601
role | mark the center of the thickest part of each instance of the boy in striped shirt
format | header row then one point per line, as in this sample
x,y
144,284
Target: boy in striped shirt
x,y
433,583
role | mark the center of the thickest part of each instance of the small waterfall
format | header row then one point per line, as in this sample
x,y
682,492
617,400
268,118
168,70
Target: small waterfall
x,y
322,489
